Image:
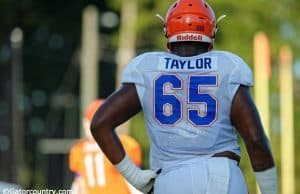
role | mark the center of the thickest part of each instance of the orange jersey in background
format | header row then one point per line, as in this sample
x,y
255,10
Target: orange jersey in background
x,y
99,175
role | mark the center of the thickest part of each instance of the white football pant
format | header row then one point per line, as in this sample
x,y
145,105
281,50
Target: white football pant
x,y
213,175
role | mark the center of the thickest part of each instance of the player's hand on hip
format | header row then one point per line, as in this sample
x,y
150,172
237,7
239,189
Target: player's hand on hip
x,y
143,180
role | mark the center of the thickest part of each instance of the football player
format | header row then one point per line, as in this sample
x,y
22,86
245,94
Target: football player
x,y
94,174
195,100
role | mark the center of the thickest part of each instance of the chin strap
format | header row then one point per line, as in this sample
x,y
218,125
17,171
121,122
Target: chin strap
x,y
219,20
160,17
163,21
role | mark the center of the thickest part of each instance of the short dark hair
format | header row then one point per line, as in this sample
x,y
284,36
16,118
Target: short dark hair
x,y
201,45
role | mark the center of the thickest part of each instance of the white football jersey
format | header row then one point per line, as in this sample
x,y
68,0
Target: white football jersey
x,y
187,102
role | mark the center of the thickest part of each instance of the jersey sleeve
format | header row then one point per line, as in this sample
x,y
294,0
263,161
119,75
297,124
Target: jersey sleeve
x,y
240,75
131,73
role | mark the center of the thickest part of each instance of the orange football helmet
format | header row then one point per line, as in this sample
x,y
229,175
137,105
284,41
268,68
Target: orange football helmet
x,y
190,20
92,108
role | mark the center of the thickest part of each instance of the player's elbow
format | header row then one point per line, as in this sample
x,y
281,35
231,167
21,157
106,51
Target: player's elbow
x,y
98,127
94,127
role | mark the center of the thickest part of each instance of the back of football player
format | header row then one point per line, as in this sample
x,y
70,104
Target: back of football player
x,y
193,99
94,173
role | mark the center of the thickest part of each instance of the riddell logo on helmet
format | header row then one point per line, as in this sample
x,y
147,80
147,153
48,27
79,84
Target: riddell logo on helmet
x,y
189,37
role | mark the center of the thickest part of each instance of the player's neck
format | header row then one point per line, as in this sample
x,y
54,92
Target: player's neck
x,y
188,53
188,49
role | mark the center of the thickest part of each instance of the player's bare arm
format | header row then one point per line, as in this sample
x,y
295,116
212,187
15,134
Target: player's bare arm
x,y
118,108
126,104
246,120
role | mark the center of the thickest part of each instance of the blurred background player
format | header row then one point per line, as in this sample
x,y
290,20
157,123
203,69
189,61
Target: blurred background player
x,y
94,174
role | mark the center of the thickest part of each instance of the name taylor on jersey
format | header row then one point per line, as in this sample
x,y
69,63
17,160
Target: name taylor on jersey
x,y
205,63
